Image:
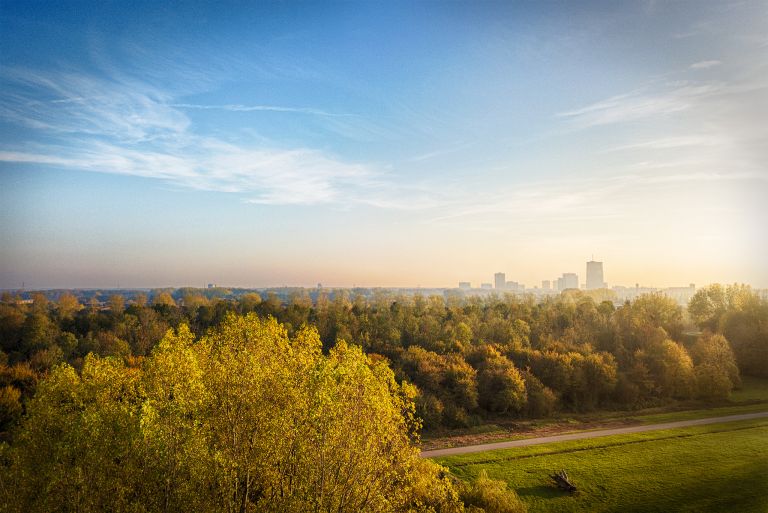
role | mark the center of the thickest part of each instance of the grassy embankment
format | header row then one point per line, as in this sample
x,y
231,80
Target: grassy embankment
x,y
751,397
714,468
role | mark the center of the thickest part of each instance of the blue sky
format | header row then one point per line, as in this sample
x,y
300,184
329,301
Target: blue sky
x,y
393,144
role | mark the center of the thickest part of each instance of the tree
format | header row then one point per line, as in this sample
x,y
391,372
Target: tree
x,y
12,320
164,299
116,304
594,379
716,370
244,419
500,385
707,305
677,375
542,401
10,407
668,370
249,302
68,306
449,378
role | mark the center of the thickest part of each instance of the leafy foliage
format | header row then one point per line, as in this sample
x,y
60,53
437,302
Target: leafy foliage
x,y
470,358
244,419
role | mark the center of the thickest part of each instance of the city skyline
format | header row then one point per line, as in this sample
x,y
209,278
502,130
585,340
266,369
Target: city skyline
x,y
566,280
392,144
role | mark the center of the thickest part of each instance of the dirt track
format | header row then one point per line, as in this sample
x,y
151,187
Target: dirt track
x,y
588,434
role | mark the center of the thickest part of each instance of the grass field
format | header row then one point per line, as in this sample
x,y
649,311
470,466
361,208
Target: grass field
x,y
715,468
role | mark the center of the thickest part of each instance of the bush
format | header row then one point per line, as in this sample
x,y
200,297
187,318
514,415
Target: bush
x,y
491,496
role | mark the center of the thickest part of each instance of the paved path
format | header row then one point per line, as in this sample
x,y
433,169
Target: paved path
x,y
588,434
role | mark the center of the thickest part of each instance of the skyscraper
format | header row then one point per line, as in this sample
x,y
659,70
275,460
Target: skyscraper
x,y
595,275
500,281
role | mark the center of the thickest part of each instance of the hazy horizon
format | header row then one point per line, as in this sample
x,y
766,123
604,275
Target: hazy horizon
x,y
330,286
382,145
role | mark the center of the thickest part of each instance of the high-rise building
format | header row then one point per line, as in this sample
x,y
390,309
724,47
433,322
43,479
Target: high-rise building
x,y
465,285
570,281
500,281
595,275
545,284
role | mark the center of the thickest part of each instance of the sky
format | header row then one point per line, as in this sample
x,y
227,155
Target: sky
x,y
261,144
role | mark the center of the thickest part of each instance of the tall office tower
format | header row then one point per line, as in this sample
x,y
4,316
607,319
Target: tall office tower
x,y
595,275
500,281
570,281
545,284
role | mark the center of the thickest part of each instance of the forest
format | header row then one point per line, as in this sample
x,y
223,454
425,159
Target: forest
x,y
273,404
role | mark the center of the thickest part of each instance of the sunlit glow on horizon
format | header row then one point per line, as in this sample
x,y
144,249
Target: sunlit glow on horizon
x,y
382,145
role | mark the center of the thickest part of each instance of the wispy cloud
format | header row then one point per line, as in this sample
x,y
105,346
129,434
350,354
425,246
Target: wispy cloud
x,y
72,103
261,108
565,202
673,142
705,64
640,105
122,126
264,176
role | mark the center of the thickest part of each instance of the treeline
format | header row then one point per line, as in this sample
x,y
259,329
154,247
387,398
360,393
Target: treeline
x,y
244,419
469,358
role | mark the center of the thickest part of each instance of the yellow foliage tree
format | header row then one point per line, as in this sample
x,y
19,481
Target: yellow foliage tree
x,y
244,419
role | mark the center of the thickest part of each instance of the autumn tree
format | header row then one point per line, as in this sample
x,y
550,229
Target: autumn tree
x,y
501,388
68,306
244,419
716,370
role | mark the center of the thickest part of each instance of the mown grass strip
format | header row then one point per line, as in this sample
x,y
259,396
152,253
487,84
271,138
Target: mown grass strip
x,y
715,468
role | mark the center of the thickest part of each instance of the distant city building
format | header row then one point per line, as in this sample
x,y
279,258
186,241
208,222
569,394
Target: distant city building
x,y
545,284
511,285
486,286
681,294
595,275
211,285
465,285
500,281
568,281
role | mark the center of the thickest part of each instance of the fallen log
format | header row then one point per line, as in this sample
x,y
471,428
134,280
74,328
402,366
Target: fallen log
x,y
562,481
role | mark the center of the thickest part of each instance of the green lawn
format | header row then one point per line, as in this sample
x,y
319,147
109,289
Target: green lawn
x,y
722,411
715,468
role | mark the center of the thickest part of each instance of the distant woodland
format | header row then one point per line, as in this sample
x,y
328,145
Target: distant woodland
x,y
187,400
